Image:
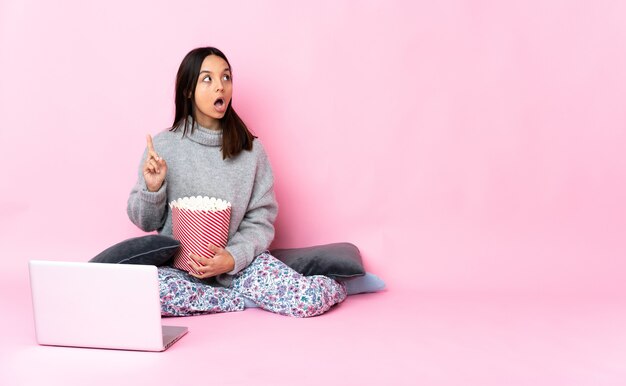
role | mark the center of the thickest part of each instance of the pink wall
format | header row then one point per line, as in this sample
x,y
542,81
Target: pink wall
x,y
462,145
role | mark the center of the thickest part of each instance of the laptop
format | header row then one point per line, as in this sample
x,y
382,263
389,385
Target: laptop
x,y
108,306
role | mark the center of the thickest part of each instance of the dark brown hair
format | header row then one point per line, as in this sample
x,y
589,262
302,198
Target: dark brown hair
x,y
235,134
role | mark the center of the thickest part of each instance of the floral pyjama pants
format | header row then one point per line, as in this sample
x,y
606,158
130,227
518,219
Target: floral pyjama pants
x,y
268,282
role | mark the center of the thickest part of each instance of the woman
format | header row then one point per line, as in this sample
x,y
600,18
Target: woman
x,y
209,151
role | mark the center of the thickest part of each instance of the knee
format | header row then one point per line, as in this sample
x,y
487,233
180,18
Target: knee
x,y
312,302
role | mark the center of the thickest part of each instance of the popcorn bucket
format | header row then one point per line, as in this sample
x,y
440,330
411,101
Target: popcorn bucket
x,y
196,222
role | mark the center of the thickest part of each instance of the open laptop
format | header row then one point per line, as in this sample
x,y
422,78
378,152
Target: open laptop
x,y
111,306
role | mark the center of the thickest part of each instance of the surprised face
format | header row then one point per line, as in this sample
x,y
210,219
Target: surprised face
x,y
214,90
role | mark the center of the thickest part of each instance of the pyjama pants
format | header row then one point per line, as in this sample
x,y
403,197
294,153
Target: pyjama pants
x,y
271,284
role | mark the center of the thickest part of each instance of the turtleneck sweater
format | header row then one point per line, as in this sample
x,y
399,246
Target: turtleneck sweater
x,y
195,168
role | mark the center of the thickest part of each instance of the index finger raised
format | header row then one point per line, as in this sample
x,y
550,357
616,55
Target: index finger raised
x,y
150,144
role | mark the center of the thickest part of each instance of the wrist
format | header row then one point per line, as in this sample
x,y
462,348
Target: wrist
x,y
154,188
229,262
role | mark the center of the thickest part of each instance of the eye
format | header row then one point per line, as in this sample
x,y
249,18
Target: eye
x,y
226,77
207,78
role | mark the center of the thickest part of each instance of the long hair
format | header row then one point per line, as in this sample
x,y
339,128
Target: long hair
x,y
235,134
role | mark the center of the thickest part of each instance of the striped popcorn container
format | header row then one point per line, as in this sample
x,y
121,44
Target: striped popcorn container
x,y
196,222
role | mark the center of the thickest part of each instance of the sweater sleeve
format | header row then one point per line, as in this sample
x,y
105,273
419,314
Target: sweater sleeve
x,y
256,230
147,209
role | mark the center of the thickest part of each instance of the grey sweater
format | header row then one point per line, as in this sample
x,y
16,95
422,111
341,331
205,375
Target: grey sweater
x,y
196,168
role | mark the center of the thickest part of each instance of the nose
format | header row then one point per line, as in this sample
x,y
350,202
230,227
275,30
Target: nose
x,y
219,86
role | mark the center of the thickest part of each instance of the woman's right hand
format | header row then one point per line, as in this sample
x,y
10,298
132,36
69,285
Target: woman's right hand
x,y
154,169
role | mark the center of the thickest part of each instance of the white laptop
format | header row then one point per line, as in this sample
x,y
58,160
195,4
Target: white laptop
x,y
111,306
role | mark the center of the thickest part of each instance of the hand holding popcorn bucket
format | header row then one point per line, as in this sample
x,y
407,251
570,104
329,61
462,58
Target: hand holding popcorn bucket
x,y
196,222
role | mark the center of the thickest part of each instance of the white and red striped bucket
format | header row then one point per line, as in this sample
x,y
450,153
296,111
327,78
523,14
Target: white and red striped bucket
x,y
196,223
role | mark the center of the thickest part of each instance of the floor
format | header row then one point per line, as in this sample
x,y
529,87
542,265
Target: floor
x,y
395,337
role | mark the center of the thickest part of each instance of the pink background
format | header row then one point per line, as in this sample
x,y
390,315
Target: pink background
x,y
462,145
471,147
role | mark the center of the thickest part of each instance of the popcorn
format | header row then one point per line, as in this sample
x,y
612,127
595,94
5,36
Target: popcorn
x,y
200,203
196,222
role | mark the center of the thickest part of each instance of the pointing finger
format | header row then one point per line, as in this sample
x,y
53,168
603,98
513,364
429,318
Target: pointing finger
x,y
151,152
150,144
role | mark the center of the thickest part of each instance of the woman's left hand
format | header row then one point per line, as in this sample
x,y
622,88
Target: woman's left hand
x,y
221,262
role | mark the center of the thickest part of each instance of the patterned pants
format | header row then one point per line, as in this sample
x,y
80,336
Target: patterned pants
x,y
267,281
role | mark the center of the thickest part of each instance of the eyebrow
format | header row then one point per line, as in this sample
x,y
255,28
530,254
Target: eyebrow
x,y
210,72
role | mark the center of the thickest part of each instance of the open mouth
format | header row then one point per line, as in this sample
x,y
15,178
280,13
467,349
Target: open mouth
x,y
219,103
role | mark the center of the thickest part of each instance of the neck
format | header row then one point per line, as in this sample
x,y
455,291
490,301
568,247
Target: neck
x,y
209,123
